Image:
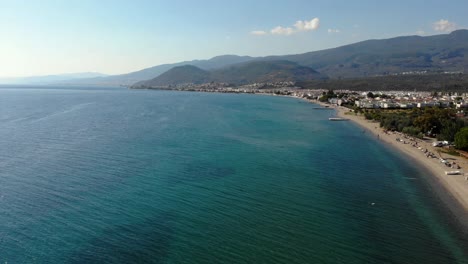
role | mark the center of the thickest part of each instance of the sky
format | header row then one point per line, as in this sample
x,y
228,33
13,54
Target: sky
x,y
46,37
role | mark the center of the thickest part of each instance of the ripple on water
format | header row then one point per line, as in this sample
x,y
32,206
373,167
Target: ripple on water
x,y
164,177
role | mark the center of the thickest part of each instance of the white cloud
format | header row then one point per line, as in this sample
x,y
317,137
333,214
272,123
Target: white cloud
x,y
307,25
420,33
299,26
444,25
258,32
279,30
331,30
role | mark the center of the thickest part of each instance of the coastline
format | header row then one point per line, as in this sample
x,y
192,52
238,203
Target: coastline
x,y
452,190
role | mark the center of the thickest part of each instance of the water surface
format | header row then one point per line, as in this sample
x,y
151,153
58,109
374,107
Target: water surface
x,y
132,176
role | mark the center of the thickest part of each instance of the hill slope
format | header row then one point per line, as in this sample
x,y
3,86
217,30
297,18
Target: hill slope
x,y
396,55
244,73
180,75
265,71
448,52
427,82
150,73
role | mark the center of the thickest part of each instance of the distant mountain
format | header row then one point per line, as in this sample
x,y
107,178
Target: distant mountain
x,y
242,73
50,79
265,71
181,75
221,61
439,53
150,73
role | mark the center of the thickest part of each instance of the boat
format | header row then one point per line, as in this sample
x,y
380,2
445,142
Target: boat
x,y
337,119
453,172
321,108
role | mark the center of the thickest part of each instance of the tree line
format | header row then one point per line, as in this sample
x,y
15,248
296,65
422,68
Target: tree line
x,y
441,123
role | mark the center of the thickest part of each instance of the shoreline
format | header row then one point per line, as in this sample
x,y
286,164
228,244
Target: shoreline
x,y
451,190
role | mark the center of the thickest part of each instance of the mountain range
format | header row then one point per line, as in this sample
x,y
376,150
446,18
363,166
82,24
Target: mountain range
x,y
438,53
152,72
432,54
237,74
50,79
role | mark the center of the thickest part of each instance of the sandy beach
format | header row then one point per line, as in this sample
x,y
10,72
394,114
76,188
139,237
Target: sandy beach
x,y
452,189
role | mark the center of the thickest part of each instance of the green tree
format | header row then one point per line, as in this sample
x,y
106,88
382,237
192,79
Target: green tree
x,y
450,128
411,130
323,98
461,139
370,95
368,116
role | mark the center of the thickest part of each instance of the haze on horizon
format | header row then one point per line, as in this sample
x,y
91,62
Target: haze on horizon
x,y
113,37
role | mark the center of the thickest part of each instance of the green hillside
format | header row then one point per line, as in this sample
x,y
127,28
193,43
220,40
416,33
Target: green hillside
x,y
433,54
244,73
265,71
437,53
180,75
427,82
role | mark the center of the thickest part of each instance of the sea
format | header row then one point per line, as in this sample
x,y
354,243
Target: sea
x,y
113,175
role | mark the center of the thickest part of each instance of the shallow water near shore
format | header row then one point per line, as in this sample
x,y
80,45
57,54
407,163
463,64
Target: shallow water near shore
x,y
125,176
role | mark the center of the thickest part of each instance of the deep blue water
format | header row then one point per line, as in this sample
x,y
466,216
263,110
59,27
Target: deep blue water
x,y
135,176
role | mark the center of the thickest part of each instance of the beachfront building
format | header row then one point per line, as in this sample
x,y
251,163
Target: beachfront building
x,y
421,104
405,105
336,101
428,104
459,105
367,104
389,105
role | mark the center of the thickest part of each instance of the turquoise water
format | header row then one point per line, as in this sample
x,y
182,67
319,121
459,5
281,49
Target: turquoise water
x,y
124,176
